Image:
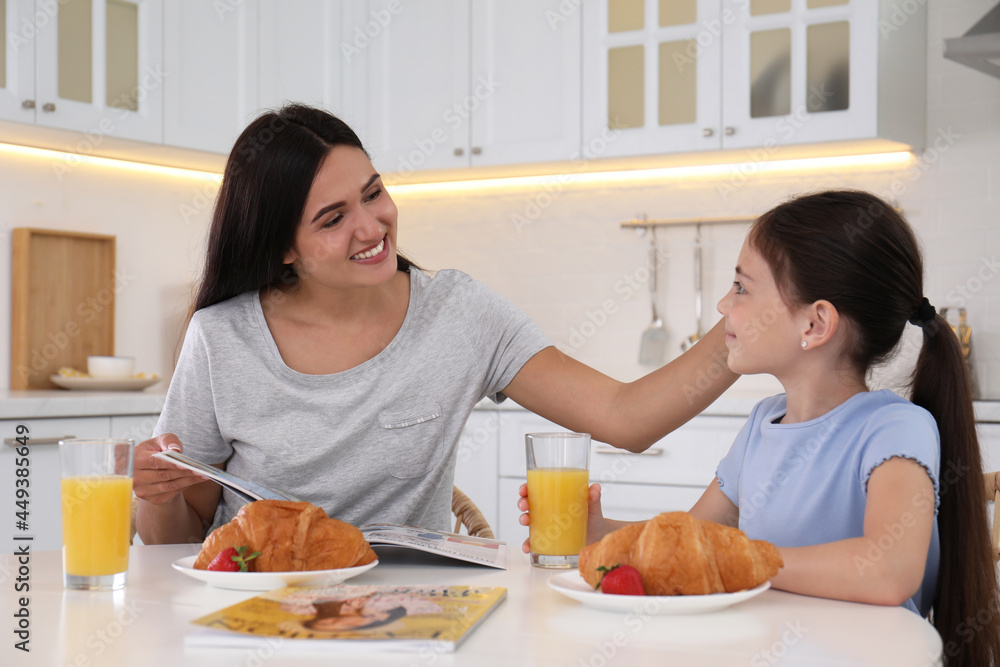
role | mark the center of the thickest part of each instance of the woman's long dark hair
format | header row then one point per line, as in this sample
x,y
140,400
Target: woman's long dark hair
x,y
855,251
264,189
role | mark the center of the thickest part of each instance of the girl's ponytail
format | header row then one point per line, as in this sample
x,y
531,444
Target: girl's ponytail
x,y
966,605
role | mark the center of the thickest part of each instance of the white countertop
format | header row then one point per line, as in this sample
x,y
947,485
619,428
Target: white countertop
x,y
63,403
741,405
40,403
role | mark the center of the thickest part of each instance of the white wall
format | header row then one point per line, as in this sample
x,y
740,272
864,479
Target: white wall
x,y
159,222
563,267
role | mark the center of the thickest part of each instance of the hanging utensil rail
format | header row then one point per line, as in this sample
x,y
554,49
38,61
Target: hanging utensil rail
x,y
671,222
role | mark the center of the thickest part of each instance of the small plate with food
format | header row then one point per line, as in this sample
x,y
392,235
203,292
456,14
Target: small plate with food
x,y
673,563
266,581
572,585
275,543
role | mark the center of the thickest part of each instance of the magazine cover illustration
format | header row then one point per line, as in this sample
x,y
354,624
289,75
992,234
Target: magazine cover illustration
x,y
437,614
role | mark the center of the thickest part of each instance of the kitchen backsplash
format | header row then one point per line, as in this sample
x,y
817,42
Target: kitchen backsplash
x,y
558,251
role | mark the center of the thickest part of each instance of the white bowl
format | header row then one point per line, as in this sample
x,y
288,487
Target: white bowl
x,y
110,368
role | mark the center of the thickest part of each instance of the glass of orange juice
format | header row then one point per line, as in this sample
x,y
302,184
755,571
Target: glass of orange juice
x,y
558,465
96,512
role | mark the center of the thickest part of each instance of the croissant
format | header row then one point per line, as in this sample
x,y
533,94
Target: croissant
x,y
290,536
677,554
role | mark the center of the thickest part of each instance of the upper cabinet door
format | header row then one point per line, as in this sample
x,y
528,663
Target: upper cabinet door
x,y
414,60
524,94
210,54
99,69
300,53
17,60
651,76
800,71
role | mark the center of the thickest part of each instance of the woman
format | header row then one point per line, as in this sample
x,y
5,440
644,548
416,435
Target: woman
x,y
321,362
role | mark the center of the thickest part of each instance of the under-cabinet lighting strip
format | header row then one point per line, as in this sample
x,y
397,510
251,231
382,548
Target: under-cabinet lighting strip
x,y
743,170
893,160
64,161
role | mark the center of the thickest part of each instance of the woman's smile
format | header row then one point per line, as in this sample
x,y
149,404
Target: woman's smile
x,y
373,254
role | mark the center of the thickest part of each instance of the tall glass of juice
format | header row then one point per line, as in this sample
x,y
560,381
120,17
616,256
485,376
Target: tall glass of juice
x,y
558,470
96,512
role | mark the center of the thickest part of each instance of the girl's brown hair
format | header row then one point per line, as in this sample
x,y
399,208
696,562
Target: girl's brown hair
x,y
855,251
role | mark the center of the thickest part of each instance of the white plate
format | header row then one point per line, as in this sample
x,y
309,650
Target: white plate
x,y
572,585
96,384
266,581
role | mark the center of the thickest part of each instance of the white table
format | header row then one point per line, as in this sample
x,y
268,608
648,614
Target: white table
x,y
145,624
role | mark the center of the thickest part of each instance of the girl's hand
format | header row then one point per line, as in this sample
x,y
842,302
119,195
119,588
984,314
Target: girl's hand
x,y
595,517
157,481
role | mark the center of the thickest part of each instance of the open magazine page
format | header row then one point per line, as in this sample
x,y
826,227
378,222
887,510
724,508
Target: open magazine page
x,y
244,488
460,547
385,618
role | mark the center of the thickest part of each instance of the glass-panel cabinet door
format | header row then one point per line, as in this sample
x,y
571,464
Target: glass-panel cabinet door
x,y
651,76
799,71
17,60
100,70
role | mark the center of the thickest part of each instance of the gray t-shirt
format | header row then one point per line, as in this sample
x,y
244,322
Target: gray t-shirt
x,y
375,443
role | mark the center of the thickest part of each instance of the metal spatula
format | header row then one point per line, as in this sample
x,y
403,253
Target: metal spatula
x,y
653,348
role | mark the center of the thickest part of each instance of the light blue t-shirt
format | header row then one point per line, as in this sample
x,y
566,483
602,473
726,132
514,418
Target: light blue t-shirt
x,y
802,484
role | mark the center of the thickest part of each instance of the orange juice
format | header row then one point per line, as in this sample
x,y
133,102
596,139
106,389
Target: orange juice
x,y
96,515
558,507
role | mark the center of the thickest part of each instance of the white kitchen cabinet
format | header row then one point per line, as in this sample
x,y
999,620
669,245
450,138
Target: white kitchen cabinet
x,y
94,66
45,508
730,74
989,445
303,44
17,61
455,83
210,52
476,469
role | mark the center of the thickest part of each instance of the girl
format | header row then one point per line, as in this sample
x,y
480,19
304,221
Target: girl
x,y
870,497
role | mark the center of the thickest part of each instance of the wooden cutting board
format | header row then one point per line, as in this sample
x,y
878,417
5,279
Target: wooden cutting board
x,y
63,303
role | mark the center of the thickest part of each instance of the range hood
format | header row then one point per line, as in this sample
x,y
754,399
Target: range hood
x,y
978,48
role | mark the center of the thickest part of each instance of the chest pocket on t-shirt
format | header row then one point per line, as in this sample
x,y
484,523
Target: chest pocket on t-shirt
x,y
411,440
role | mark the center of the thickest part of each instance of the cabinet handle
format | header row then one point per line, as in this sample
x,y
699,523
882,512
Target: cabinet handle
x,y
28,104
730,131
37,441
476,150
48,106
707,132
460,151
608,449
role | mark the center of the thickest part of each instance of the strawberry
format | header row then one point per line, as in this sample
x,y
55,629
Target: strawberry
x,y
232,559
620,580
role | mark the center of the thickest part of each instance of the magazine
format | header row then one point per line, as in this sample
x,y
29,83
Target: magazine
x,y
480,550
384,618
244,488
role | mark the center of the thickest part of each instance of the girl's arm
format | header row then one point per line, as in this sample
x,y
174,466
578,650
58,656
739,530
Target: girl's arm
x,y
715,506
886,565
629,415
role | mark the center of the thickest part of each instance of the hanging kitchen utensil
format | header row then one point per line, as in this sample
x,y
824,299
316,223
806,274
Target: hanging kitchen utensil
x,y
696,336
653,348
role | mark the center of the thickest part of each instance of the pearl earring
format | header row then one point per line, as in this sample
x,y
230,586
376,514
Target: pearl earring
x,y
804,345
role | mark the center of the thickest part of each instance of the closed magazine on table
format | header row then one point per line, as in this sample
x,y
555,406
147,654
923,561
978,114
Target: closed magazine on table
x,y
350,617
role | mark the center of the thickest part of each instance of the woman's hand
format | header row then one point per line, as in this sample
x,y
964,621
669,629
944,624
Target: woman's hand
x,y
155,480
595,517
